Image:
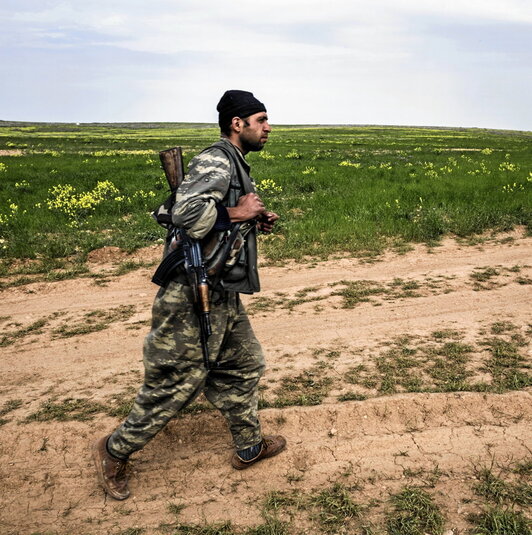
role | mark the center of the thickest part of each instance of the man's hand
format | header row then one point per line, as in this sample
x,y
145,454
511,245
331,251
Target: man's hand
x,y
266,221
249,207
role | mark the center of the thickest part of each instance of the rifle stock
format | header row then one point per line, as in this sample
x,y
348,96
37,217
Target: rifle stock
x,y
172,163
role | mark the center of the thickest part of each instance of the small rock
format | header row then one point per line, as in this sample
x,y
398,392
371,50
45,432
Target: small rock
x,y
333,432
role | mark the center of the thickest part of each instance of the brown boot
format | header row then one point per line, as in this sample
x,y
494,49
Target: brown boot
x,y
111,471
271,445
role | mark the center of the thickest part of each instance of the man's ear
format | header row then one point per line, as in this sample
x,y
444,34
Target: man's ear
x,y
236,123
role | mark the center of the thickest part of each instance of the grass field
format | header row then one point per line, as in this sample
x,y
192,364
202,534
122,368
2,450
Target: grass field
x,y
67,189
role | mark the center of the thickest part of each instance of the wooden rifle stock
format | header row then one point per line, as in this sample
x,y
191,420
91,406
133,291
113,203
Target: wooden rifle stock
x,y
172,163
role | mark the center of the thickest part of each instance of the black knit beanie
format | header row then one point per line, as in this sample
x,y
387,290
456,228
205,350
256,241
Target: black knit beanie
x,y
237,103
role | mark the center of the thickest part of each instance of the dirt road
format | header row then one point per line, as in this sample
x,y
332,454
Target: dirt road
x,y
337,324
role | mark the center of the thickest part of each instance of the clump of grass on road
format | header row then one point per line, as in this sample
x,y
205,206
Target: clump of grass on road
x,y
94,321
34,328
414,513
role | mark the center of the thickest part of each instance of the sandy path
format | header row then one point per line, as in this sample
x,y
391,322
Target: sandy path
x,y
46,480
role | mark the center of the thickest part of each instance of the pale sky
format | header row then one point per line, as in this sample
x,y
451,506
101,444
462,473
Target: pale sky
x,y
389,62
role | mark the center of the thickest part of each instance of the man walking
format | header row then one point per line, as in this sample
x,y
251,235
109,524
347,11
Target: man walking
x,y
217,193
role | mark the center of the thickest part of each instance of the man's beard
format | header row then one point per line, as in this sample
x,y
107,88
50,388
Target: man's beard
x,y
251,146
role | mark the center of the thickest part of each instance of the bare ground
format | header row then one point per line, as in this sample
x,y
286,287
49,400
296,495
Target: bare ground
x,y
310,331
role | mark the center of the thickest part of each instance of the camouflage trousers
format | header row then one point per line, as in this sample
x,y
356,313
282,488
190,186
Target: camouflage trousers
x,y
175,374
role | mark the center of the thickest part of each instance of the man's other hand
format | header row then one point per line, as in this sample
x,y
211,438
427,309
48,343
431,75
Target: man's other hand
x,y
266,221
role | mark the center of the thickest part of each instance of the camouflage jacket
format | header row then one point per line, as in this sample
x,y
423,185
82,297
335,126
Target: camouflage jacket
x,y
214,178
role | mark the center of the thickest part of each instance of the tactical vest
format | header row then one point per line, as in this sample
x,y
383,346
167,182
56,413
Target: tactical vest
x,y
239,273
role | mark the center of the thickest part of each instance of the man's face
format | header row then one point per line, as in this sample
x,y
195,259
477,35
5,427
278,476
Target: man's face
x,y
255,130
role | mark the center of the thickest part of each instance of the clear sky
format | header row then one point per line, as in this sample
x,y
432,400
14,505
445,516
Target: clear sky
x,y
405,62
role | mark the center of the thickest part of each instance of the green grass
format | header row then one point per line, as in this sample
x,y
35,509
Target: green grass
x,y
414,513
441,362
66,410
175,508
94,321
499,521
507,366
9,406
12,336
335,506
497,490
308,388
270,527
355,189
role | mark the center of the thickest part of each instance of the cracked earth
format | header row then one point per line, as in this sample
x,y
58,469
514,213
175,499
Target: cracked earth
x,y
380,443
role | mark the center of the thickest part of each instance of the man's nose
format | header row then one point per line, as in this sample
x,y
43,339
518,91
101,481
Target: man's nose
x,y
267,127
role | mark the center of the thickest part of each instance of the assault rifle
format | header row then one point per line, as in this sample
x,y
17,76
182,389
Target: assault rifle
x,y
187,251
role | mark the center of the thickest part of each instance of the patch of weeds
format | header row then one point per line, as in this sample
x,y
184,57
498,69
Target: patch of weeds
x,y
9,406
307,388
402,288
354,374
136,325
226,528
94,321
293,478
11,337
506,365
449,373
280,419
519,340
327,353
499,521
447,333
484,274
300,297
128,266
120,405
496,490
273,526
99,280
414,513
396,369
335,506
356,292
523,468
132,531
70,273
68,409
444,364
429,478
352,396
291,303
483,278
402,247
278,501
305,291
262,304
175,508
500,327
19,281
